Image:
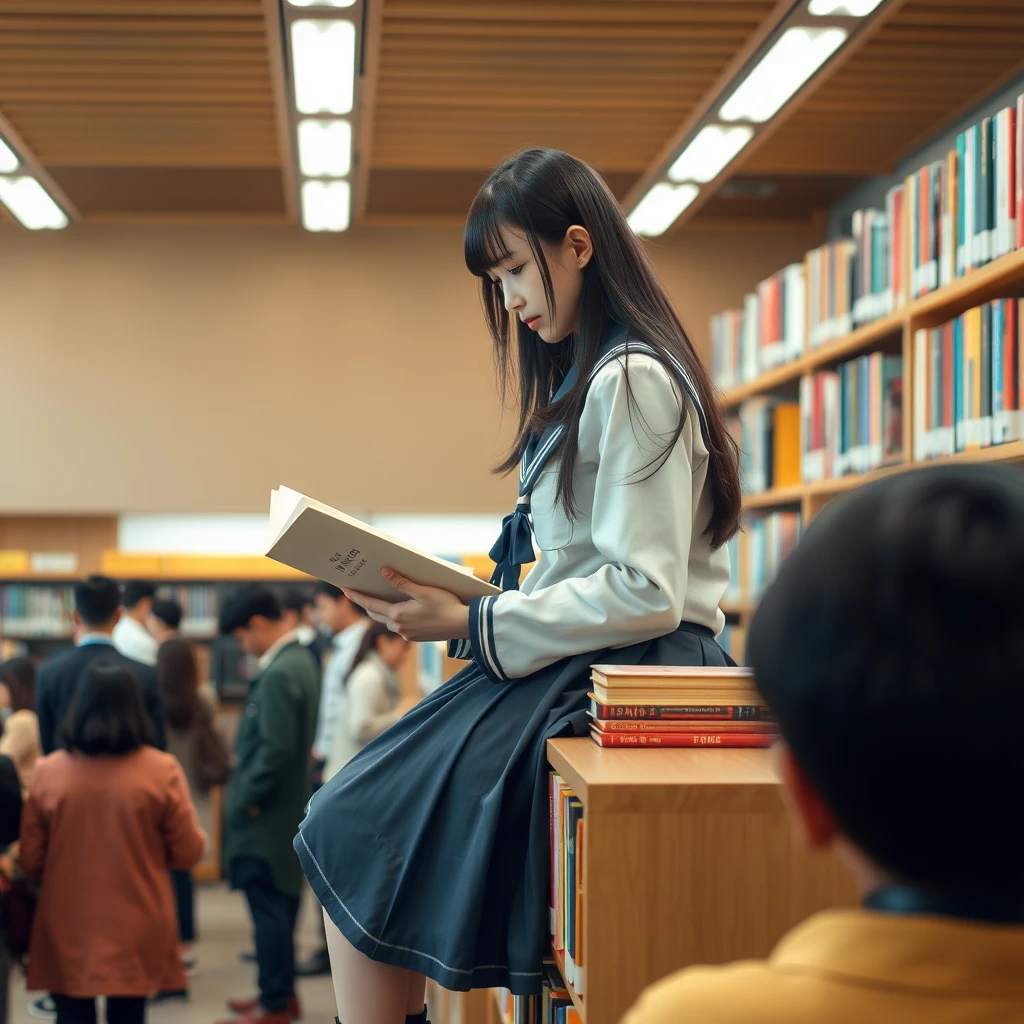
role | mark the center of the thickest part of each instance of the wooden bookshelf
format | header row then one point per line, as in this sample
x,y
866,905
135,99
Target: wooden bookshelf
x,y
688,858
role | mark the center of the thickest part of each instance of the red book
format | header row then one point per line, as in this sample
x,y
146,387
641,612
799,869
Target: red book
x,y
1019,176
633,713
672,727
1012,178
691,740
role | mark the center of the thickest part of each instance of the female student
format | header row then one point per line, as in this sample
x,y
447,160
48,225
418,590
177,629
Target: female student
x,y
105,822
429,850
371,695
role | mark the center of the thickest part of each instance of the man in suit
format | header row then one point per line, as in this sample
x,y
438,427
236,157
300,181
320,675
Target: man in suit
x,y
96,613
268,792
890,650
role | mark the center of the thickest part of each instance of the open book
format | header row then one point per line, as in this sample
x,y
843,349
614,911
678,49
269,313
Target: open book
x,y
323,542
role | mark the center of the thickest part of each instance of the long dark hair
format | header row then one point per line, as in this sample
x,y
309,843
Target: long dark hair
x,y
543,192
374,632
106,715
177,676
19,676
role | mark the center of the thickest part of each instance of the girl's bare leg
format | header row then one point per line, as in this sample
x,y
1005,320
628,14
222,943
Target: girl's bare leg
x,y
368,992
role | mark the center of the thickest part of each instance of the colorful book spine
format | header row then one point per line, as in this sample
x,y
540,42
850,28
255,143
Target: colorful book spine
x,y
567,855
680,712
676,740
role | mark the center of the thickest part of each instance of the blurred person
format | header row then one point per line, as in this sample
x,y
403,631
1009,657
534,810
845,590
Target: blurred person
x,y
890,651
267,794
95,617
20,739
372,695
164,620
131,637
10,826
189,710
346,623
107,819
300,615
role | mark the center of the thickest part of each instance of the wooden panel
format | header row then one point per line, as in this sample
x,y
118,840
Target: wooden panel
x,y
933,61
86,536
463,83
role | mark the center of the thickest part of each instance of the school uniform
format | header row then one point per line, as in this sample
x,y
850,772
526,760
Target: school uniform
x,y
429,849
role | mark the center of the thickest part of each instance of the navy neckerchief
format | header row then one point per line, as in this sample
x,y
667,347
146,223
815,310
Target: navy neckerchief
x,y
514,548
988,906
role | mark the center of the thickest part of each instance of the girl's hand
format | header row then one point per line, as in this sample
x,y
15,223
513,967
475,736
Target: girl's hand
x,y
426,614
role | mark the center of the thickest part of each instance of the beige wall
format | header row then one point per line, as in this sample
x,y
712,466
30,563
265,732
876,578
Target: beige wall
x,y
187,369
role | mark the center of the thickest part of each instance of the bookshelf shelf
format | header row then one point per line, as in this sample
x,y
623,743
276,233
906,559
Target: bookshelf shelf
x,y
737,609
774,497
688,858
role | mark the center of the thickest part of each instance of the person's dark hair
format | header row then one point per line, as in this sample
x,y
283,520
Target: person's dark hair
x,y
374,632
543,192
107,715
296,600
177,676
891,650
328,590
135,591
336,594
248,600
168,611
97,599
19,676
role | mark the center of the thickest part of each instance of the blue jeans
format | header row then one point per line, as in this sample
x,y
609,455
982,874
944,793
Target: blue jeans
x,y
274,915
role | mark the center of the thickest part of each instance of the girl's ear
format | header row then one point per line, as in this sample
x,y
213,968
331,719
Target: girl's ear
x,y
578,245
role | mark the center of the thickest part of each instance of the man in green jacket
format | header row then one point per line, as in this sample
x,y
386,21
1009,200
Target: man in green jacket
x,y
268,792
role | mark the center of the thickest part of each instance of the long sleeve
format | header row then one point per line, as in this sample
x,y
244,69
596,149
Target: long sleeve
x,y
641,529
35,832
330,704
278,728
369,709
184,840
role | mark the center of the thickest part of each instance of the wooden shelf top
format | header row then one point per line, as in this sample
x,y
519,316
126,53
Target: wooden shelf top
x,y
1010,452
666,780
980,285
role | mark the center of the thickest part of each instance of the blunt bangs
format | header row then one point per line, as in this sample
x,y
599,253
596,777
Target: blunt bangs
x,y
482,242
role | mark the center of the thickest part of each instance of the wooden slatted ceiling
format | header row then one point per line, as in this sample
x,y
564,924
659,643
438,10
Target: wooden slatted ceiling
x,y
933,61
176,90
465,82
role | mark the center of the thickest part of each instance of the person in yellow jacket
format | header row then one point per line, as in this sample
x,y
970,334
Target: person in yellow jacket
x,y
891,650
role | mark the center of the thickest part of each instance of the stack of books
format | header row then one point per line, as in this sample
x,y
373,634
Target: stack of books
x,y
667,706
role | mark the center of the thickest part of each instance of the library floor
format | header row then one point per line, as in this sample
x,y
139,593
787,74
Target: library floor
x,y
224,931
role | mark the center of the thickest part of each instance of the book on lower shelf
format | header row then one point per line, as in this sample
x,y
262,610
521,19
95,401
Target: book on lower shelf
x,y
638,706
34,611
556,1005
969,379
566,818
852,417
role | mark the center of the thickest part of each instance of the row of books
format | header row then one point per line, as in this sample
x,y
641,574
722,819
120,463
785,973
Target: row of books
x,y
769,331
944,220
566,815
852,417
199,605
664,706
969,380
555,1003
33,611
767,431
757,552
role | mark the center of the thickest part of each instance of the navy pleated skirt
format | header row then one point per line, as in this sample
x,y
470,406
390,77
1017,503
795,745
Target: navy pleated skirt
x,y
429,849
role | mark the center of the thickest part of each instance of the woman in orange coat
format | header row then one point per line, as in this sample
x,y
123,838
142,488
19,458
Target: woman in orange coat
x,y
106,821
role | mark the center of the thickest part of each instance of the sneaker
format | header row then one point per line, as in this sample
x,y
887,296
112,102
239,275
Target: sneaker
x,y
191,964
43,1008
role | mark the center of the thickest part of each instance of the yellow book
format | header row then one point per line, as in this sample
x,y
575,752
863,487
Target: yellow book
x,y
972,339
786,454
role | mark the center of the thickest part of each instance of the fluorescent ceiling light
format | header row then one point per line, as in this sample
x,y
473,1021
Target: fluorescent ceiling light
x,y
324,59
31,204
851,8
326,205
711,149
8,158
657,211
325,148
322,3
792,60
